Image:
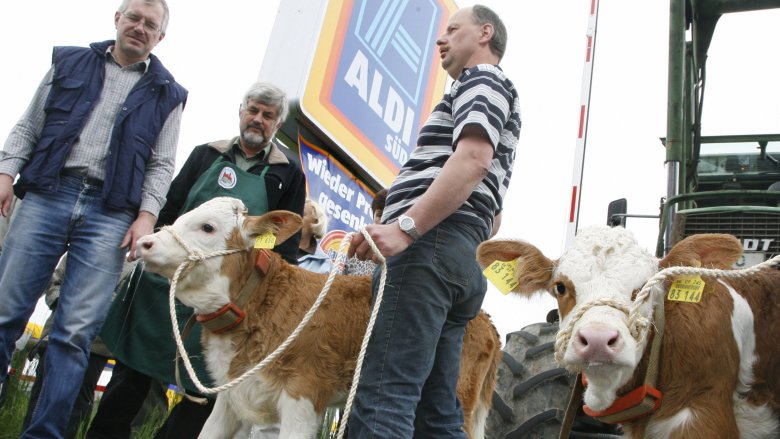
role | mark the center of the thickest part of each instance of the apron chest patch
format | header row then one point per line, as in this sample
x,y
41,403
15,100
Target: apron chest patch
x,y
227,178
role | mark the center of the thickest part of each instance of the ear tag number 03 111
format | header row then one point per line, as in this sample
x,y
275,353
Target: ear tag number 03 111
x,y
267,240
686,289
502,275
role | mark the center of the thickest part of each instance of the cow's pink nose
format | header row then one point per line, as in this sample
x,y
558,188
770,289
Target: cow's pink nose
x,y
597,343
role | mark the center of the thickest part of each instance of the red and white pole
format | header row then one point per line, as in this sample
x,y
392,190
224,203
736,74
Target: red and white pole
x,y
582,133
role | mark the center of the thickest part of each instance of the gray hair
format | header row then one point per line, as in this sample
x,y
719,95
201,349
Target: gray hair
x,y
268,94
166,13
319,228
484,15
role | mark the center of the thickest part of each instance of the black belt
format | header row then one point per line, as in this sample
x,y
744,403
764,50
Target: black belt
x,y
89,181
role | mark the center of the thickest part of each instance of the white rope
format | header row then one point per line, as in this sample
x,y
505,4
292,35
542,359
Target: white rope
x,y
193,257
196,256
367,336
638,324
564,334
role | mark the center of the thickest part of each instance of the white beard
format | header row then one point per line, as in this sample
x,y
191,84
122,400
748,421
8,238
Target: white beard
x,y
252,139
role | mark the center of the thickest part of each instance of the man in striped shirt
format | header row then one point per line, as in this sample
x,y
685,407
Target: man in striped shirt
x,y
95,154
444,202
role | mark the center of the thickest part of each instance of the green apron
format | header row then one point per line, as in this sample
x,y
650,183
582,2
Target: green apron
x,y
138,326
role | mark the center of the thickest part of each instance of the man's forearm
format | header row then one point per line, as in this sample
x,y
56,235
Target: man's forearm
x,y
159,168
25,134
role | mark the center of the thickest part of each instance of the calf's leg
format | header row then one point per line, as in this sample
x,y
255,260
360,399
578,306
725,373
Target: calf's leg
x,y
298,418
223,422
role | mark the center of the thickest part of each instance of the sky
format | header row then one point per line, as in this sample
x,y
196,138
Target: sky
x,y
216,53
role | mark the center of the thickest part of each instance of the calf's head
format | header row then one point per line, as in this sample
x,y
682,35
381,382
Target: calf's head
x,y
602,264
218,224
606,267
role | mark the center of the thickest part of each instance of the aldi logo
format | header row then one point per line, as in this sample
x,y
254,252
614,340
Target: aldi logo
x,y
375,78
384,31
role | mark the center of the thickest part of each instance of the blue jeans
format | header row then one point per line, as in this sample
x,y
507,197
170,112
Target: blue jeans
x,y
47,225
410,372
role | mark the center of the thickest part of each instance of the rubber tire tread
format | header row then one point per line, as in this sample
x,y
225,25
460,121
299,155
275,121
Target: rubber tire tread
x,y
532,390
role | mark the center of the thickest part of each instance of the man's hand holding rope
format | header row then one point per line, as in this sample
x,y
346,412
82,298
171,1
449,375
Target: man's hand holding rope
x,y
389,239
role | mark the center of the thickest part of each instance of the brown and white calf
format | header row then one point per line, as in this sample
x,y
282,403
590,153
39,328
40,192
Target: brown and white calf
x,y
719,364
316,370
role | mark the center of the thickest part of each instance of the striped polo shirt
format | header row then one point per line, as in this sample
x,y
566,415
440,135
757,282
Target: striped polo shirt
x,y
482,95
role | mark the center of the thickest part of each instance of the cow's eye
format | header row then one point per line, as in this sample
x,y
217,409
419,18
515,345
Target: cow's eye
x,y
208,228
560,288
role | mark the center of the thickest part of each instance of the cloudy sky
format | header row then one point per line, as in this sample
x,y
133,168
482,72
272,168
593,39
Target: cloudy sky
x,y
216,50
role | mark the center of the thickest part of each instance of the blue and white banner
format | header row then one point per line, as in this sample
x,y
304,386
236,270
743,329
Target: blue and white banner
x,y
346,201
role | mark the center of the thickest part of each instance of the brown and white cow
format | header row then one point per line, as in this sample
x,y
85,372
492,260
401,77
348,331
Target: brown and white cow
x,y
317,368
719,364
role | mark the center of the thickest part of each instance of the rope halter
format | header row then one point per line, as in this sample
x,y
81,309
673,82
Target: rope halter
x,y
639,324
193,255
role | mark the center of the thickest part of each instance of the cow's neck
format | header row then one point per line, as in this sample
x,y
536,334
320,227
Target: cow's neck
x,y
231,314
273,310
283,297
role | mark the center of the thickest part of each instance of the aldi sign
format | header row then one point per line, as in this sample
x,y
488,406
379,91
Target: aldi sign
x,y
375,76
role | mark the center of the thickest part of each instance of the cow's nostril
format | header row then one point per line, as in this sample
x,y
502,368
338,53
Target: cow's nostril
x,y
147,245
598,343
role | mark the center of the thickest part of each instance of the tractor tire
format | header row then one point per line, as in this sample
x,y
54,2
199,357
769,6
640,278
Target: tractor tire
x,y
532,391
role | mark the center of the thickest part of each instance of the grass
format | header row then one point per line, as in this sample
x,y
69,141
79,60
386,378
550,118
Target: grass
x,y
17,396
16,393
330,426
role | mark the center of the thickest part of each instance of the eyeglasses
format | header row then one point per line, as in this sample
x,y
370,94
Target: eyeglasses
x,y
149,26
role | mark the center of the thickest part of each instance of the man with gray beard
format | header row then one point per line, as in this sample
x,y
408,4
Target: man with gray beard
x,y
251,167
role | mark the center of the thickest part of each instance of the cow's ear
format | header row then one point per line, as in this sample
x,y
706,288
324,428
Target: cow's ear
x,y
281,223
533,271
708,250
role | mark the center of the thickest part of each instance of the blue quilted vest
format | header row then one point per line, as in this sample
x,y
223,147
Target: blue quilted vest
x,y
78,79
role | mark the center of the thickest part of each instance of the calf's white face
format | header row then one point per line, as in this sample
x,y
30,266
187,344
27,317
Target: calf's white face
x,y
218,224
205,229
602,263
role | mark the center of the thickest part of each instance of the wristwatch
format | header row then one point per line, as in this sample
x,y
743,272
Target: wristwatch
x,y
407,226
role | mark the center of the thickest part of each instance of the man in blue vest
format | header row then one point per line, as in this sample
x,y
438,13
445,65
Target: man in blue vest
x,y
95,154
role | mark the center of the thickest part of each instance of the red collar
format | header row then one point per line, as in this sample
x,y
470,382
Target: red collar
x,y
263,261
230,315
639,402
223,319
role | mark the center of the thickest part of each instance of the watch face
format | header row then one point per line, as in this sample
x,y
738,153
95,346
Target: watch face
x,y
406,223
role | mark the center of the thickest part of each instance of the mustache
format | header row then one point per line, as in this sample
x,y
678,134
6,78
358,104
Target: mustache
x,y
135,33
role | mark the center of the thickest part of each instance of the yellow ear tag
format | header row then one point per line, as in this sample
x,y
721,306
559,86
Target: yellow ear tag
x,y
686,289
266,240
502,275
